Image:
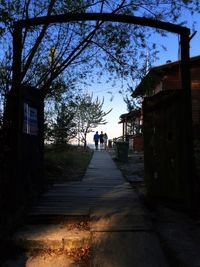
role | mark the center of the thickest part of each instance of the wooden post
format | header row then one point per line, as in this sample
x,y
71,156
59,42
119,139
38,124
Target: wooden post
x,y
16,93
187,119
16,83
123,126
17,51
16,80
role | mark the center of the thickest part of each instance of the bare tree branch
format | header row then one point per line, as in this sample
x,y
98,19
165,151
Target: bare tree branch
x,y
38,41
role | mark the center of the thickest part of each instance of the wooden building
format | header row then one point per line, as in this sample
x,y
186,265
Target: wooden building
x,y
165,138
168,77
132,129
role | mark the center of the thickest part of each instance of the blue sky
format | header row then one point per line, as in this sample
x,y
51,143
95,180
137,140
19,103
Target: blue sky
x,y
112,128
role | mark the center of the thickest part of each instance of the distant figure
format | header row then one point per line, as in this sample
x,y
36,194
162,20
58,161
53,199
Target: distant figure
x,y
96,140
101,140
110,143
105,139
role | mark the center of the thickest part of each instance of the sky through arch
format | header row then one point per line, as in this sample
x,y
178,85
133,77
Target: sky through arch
x,y
183,31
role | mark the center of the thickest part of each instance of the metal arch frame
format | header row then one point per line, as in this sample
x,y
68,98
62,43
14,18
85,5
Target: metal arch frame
x,y
182,31
185,57
103,17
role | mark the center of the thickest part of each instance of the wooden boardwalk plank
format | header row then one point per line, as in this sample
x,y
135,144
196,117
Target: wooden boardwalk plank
x,y
102,185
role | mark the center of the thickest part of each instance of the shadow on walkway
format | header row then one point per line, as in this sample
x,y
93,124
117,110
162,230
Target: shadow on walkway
x,y
119,231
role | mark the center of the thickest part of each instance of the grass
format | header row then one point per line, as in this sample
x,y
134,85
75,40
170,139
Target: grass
x,y
62,164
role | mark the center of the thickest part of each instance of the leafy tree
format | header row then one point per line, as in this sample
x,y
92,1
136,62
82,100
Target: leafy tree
x,y
5,80
112,47
89,115
75,118
61,128
73,49
56,119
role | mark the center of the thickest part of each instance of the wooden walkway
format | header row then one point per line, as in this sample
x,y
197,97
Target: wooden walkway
x,y
104,196
103,183
120,232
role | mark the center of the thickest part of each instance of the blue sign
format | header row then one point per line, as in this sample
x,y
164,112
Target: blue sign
x,y
30,120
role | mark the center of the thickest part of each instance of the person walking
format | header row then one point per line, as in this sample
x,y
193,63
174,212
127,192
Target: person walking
x,y
96,140
101,140
105,139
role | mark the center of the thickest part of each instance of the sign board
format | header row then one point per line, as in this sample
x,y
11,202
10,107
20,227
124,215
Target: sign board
x,y
30,125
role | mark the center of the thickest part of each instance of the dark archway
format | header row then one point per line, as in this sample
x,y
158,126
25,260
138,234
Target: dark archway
x,y
182,31
185,70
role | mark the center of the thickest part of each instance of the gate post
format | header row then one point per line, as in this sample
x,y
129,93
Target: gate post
x,y
23,140
190,183
23,137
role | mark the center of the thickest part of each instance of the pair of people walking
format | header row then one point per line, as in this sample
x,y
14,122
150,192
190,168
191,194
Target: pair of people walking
x,y
101,138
